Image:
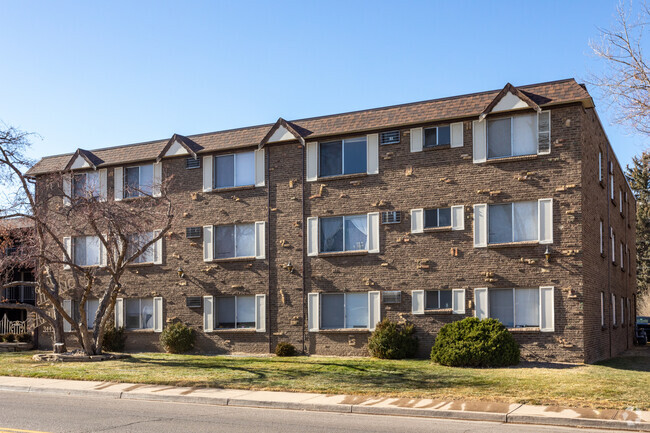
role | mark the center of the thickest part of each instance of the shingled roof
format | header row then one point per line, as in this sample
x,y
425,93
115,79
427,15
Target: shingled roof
x,y
457,107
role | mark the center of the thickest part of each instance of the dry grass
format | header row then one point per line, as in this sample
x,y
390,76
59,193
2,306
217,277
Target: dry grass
x,y
619,383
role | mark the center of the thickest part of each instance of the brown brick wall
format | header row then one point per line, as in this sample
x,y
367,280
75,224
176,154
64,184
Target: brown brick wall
x,y
432,178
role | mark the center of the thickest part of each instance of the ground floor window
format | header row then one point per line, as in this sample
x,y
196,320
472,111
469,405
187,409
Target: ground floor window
x,y
344,310
139,313
515,308
233,312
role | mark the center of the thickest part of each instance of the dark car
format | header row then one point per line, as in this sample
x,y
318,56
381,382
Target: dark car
x,y
642,329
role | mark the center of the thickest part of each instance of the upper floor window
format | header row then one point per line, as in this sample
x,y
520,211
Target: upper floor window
x,y
438,299
86,185
602,237
613,309
440,217
515,307
139,313
137,241
340,157
513,222
600,166
343,233
602,309
438,136
235,240
612,194
87,251
233,170
512,136
620,201
138,181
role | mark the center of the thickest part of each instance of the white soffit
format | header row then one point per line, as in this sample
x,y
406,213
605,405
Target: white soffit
x,y
176,149
281,134
510,102
79,162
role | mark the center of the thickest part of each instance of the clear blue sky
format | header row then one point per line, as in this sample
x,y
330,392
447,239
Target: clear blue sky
x,y
97,74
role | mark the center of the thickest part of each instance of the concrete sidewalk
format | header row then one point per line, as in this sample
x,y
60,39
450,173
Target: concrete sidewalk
x,y
466,410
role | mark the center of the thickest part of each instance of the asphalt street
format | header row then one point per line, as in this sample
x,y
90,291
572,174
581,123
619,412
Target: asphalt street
x,y
50,413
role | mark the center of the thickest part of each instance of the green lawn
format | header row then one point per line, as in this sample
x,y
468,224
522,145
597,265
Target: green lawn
x,y
618,383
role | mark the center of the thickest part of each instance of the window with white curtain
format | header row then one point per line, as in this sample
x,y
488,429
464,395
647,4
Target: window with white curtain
x,y
137,241
440,217
236,169
512,136
91,310
235,312
512,222
235,240
138,181
343,310
347,156
344,233
86,185
515,308
86,250
138,313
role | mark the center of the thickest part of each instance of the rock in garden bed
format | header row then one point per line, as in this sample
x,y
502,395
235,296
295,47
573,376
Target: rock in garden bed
x,y
77,356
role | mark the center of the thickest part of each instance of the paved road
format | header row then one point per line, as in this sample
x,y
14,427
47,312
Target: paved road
x,y
36,413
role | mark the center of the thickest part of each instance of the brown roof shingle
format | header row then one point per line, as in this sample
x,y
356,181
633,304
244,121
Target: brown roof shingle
x,y
543,94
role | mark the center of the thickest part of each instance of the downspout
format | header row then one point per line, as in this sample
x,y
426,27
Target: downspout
x,y
609,265
267,164
304,250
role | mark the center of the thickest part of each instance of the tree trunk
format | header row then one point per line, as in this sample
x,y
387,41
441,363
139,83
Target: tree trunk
x,y
59,335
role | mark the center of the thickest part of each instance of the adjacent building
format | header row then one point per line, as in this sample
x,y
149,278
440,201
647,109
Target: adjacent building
x,y
508,204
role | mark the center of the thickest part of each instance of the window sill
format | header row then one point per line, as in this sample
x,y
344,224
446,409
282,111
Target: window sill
x,y
139,265
514,244
525,329
343,254
442,311
140,197
442,146
232,188
139,331
511,159
436,229
345,331
234,259
342,177
233,331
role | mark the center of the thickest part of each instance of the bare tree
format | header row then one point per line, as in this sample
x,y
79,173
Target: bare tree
x,y
626,80
60,215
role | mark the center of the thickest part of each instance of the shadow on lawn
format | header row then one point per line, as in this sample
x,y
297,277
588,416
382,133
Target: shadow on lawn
x,y
628,363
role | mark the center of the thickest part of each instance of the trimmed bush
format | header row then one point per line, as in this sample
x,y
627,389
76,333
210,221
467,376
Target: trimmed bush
x,y
9,338
391,340
25,337
114,339
285,349
177,338
475,343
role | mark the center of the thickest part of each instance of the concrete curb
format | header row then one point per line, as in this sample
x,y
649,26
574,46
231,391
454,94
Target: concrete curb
x,y
510,417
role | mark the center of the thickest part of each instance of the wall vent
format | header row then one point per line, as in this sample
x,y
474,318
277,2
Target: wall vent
x,y
391,217
389,137
193,301
192,163
193,232
392,297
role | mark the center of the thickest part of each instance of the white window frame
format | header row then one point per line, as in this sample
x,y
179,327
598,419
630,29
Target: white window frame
x,y
214,241
424,136
612,194
234,171
600,166
216,306
512,138
514,305
342,157
602,309
344,233
622,257
613,309
95,193
426,292
602,237
512,212
345,306
99,252
622,311
437,209
153,313
138,191
613,238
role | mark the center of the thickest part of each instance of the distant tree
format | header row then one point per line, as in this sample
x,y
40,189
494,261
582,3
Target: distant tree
x,y
638,176
55,212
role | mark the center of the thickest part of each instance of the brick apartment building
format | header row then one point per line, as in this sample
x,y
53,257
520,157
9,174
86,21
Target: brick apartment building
x,y
508,204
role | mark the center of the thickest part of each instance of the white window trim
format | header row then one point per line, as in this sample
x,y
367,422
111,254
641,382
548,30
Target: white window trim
x,y
613,238
215,317
344,234
234,171
345,306
456,309
424,134
613,309
602,237
514,305
512,212
437,209
214,242
342,157
512,138
602,309
600,166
